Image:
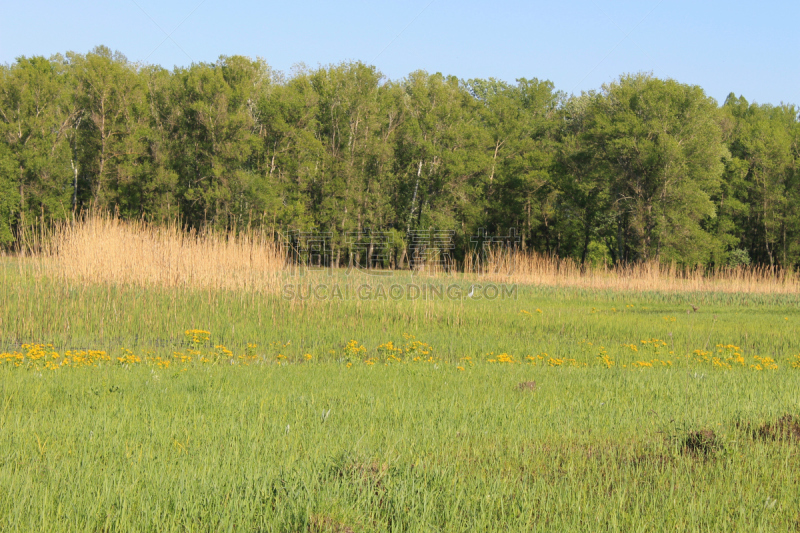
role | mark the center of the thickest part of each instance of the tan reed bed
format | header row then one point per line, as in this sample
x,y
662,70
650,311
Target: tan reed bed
x,y
103,249
537,269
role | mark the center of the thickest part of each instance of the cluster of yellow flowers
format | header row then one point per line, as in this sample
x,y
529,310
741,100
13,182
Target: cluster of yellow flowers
x,y
605,360
728,356
197,349
650,363
654,348
353,352
655,343
764,363
44,356
129,358
158,361
412,350
197,336
534,359
703,356
500,358
353,347
565,361
391,352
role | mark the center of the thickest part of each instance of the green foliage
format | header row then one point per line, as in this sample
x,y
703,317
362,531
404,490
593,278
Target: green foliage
x,y
651,169
738,257
661,146
318,445
763,167
37,117
9,194
105,317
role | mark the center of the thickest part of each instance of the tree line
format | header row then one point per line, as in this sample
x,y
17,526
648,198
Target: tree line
x,y
641,169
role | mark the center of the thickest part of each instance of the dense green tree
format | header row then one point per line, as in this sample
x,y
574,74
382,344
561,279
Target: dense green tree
x,y
519,121
438,154
37,116
149,189
111,112
288,155
763,172
583,180
343,192
9,194
661,145
213,129
644,169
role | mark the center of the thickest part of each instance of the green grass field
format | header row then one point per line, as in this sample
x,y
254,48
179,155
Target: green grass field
x,y
544,413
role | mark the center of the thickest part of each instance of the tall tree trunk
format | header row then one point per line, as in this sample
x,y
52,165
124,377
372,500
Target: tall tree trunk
x,y
587,230
74,186
414,197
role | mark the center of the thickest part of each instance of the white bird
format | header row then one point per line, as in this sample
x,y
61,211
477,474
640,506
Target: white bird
x,y
471,291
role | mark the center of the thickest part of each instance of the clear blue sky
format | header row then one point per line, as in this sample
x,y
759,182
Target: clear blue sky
x,y
749,48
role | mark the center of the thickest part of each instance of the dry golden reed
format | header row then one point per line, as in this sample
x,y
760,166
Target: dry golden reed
x,y
104,249
536,269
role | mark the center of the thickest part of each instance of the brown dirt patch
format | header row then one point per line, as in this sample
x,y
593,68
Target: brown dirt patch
x,y
786,427
701,442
